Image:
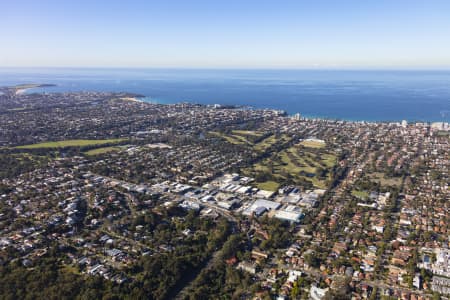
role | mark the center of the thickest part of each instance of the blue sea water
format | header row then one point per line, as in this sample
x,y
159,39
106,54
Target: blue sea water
x,y
336,94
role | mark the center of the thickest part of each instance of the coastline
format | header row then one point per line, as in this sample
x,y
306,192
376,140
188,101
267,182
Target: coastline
x,y
132,99
303,116
153,100
357,96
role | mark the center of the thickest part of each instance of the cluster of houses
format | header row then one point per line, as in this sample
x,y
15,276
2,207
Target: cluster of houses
x,y
369,239
384,218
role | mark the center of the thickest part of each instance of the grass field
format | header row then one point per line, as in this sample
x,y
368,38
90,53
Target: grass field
x,y
312,144
268,186
101,150
360,194
295,162
241,139
71,269
271,140
249,138
395,181
229,138
248,133
70,143
329,160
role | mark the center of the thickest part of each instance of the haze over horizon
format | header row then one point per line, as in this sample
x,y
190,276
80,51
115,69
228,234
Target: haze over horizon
x,y
205,34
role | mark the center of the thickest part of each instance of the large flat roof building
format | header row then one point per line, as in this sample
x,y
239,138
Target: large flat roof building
x,y
268,205
291,216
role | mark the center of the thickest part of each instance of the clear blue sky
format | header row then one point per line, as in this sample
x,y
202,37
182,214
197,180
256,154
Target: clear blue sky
x,y
230,34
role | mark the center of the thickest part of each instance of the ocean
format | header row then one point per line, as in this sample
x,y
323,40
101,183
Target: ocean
x,y
379,95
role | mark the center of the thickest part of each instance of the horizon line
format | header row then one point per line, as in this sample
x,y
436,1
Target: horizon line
x,y
325,68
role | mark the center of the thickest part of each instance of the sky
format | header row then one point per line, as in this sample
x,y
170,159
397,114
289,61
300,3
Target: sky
x,y
226,34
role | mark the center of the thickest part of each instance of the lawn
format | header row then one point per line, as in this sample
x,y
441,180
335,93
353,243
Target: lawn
x,y
313,144
266,143
101,150
329,160
71,269
268,186
360,194
239,137
247,133
271,140
295,164
378,176
229,138
244,137
298,163
70,143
